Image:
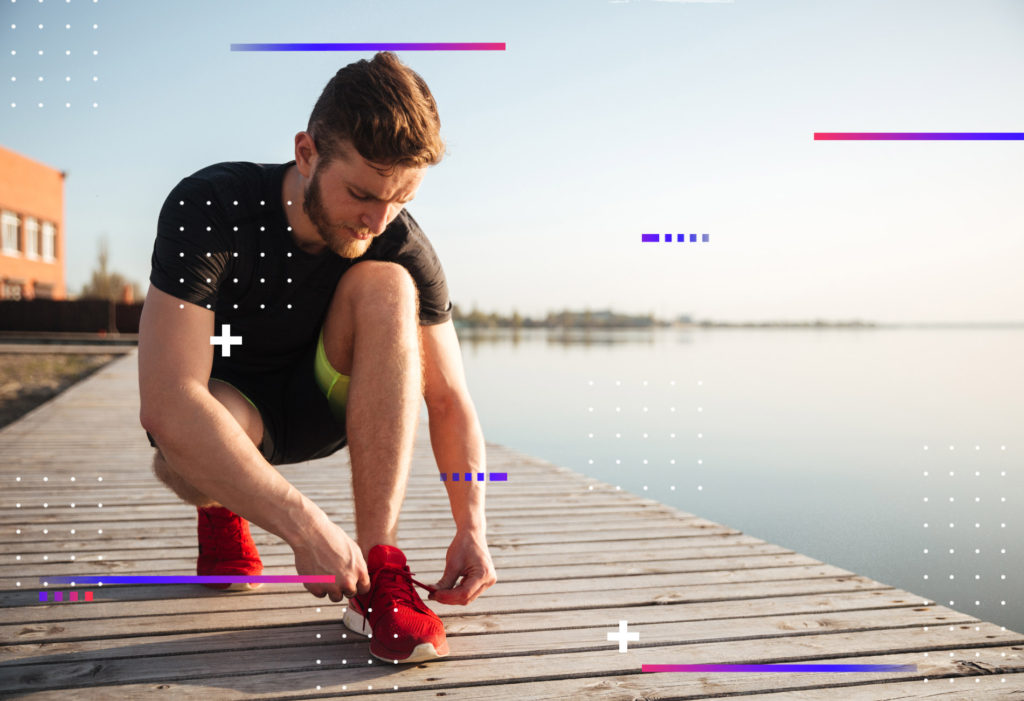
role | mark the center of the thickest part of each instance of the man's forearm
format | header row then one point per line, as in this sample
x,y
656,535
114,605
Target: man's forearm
x,y
458,444
204,444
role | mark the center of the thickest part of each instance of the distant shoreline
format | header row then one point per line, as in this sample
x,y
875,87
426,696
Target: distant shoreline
x,y
607,319
462,325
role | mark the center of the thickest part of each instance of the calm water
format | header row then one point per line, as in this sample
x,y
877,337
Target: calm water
x,y
811,439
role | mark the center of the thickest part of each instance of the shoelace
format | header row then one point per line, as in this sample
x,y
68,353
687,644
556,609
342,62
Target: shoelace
x,y
406,595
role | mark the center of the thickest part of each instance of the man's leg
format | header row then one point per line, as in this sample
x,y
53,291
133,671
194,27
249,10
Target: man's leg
x,y
226,546
371,333
247,416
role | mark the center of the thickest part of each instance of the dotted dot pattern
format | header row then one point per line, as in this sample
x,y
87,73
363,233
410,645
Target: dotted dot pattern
x,y
643,413
260,268
975,572
45,556
966,498
46,68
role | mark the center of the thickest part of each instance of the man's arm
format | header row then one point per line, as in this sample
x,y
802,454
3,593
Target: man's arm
x,y
458,445
206,446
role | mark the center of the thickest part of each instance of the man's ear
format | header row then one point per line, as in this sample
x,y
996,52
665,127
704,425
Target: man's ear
x,y
305,154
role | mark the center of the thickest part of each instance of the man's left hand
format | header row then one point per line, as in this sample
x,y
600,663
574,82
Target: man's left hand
x,y
468,559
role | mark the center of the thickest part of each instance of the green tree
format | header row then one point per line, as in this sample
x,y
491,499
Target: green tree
x,y
107,284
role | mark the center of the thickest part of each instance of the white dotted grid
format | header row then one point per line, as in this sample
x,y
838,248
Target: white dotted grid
x,y
46,531
44,32
645,409
945,481
234,280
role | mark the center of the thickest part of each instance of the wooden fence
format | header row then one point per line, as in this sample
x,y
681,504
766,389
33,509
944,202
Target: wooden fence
x,y
82,315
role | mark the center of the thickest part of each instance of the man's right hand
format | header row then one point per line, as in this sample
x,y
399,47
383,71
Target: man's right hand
x,y
328,550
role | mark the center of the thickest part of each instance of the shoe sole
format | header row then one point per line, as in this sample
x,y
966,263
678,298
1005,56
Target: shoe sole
x,y
356,623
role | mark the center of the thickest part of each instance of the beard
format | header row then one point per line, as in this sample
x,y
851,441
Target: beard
x,y
336,237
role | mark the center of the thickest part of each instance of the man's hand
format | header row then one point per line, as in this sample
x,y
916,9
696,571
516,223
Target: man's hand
x,y
469,559
328,550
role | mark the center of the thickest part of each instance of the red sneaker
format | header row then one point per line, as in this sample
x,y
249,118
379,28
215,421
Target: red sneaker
x,y
400,626
226,547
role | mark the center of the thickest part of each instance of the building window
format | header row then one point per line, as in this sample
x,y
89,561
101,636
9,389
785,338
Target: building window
x,y
43,290
9,222
11,289
49,242
31,237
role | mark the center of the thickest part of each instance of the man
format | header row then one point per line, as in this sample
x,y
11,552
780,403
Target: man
x,y
345,321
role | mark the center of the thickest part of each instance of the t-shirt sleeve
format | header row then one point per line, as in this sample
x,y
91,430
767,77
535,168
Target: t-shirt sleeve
x,y
192,251
417,255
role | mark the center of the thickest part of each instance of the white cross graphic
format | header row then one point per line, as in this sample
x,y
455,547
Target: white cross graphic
x,y
622,636
225,341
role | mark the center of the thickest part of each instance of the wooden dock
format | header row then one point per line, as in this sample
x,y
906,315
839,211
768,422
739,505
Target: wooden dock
x,y
574,558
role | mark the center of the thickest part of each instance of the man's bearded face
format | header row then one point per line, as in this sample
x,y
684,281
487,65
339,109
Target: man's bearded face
x,y
338,237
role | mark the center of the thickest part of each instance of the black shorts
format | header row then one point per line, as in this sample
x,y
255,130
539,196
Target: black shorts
x,y
297,421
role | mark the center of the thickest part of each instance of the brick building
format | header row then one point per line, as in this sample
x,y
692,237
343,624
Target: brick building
x,y
31,229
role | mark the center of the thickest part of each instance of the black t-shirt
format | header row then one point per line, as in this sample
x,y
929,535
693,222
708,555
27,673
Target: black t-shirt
x,y
223,242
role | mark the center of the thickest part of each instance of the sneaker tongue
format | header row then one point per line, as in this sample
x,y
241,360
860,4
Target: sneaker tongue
x,y
381,555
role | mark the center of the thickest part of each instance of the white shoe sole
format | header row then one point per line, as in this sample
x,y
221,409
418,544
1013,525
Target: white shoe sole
x,y
356,623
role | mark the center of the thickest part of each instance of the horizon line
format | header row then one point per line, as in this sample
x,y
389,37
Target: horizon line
x,y
374,46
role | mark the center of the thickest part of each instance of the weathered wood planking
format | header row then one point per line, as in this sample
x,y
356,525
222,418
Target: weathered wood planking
x,y
574,557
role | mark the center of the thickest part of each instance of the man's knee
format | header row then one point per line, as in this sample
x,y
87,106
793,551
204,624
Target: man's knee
x,y
371,295
185,491
379,286
161,469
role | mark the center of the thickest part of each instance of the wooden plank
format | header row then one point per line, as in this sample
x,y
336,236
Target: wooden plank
x,y
975,688
693,544
953,680
555,594
532,572
330,684
259,672
117,548
528,568
709,621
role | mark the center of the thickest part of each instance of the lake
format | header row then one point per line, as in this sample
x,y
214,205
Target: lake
x,y
893,452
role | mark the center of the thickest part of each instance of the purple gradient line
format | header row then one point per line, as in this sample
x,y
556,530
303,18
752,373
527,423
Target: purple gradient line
x,y
918,136
42,596
480,476
376,46
779,668
649,238
230,579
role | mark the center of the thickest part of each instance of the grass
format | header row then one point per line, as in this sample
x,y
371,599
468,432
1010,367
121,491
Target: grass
x,y
29,379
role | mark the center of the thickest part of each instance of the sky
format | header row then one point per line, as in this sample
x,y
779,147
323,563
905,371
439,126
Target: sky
x,y
600,121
